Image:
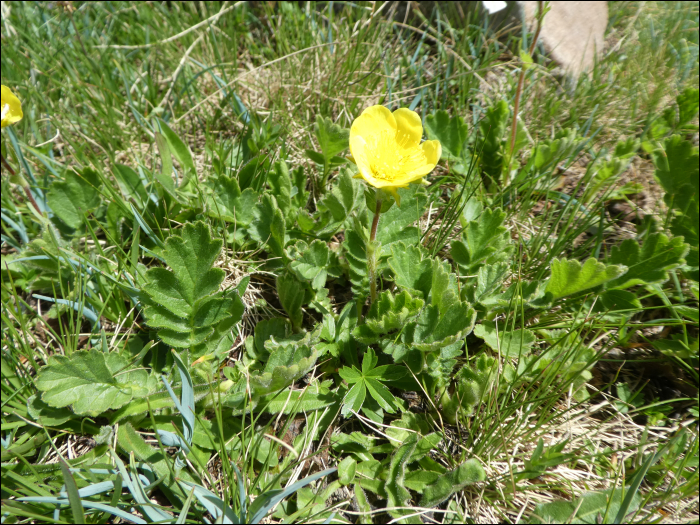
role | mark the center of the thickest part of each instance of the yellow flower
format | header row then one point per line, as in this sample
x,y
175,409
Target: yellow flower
x,y
387,150
11,107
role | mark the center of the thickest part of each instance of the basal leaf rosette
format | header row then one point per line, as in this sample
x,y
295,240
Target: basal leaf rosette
x,y
387,149
11,107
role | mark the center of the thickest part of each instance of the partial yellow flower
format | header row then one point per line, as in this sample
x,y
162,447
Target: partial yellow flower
x,y
11,107
387,150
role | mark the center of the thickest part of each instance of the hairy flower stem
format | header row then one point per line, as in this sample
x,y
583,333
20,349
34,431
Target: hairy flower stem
x,y
519,90
372,254
23,183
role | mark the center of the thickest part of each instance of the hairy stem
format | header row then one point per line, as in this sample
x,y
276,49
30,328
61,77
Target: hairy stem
x,y
519,91
372,254
25,186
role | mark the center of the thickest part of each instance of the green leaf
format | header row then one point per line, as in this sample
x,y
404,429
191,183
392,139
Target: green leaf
x,y
130,184
484,241
190,257
45,414
291,294
286,364
346,471
164,176
344,197
71,487
591,508
491,141
268,225
412,271
649,263
450,131
688,103
397,494
488,281
394,224
311,263
181,152
570,276
228,203
351,375
185,301
455,480
381,395
677,168
354,398
433,330
332,138
510,343
90,382
391,312
75,196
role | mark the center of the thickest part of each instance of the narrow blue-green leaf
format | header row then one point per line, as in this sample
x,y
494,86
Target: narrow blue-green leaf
x,y
266,502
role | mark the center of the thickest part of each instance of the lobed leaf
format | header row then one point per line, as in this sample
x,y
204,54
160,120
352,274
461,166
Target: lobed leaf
x,y
570,276
89,381
648,263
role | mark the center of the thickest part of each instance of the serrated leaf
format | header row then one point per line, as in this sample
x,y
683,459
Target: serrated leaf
x,y
74,197
227,202
434,330
45,414
381,395
184,302
397,218
268,225
354,398
391,312
444,292
411,270
397,494
510,343
190,257
450,131
484,241
490,141
570,276
589,508
351,375
312,264
344,197
284,366
455,480
648,263
488,281
87,381
291,294
332,138
677,166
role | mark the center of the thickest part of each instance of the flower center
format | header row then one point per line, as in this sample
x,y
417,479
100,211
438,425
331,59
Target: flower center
x,y
392,155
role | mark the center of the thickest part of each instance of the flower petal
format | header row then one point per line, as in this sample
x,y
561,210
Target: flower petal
x,y
11,107
409,126
357,148
373,120
417,174
432,150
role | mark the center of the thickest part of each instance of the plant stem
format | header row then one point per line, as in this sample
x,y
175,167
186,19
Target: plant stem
x,y
24,185
518,92
372,254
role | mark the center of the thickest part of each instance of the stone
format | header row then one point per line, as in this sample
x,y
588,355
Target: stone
x,y
573,33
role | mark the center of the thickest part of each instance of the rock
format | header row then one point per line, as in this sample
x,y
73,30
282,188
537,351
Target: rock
x,y
573,33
